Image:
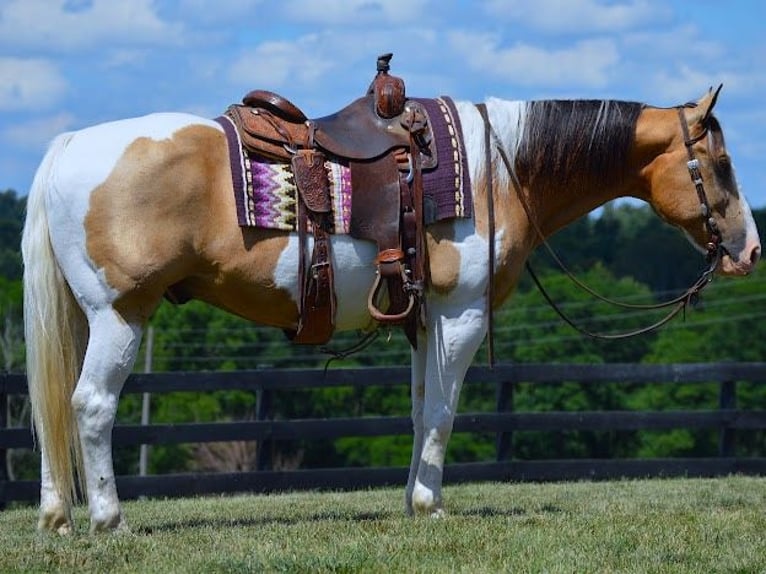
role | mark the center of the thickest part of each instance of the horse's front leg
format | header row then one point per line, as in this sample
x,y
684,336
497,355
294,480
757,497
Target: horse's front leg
x,y
454,336
418,384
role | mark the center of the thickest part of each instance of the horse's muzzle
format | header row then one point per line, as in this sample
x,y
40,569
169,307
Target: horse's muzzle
x,y
743,264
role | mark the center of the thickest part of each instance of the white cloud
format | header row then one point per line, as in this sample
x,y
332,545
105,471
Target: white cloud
x,y
680,85
684,42
277,63
686,82
355,11
127,57
201,9
681,62
28,83
586,63
321,72
36,134
74,25
577,16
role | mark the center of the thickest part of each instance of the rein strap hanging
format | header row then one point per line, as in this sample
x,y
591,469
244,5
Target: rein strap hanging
x,y
490,233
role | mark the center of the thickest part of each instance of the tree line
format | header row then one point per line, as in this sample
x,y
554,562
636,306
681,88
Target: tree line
x,y
624,251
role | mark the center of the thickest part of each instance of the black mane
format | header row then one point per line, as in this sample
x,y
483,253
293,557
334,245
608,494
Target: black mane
x,y
577,140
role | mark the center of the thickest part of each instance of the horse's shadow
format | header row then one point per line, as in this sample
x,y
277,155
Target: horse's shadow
x,y
489,511
359,517
259,521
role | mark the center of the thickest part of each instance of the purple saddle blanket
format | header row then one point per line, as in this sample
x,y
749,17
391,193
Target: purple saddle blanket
x,y
265,191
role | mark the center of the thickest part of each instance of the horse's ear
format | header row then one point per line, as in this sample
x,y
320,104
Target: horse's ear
x,y
705,105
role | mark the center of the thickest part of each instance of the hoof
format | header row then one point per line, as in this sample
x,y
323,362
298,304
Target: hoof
x,y
425,503
438,514
113,524
55,521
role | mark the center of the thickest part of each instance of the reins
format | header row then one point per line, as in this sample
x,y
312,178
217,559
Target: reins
x,y
490,234
690,296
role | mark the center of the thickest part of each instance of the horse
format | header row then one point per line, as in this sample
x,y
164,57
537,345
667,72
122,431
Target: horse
x,y
120,212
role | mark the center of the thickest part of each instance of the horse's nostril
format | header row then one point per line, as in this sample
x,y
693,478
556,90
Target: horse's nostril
x,y
755,254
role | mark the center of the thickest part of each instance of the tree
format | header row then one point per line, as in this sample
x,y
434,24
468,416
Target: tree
x,y
728,325
18,462
11,222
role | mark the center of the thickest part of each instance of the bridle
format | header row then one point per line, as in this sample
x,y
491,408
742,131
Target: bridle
x,y
714,246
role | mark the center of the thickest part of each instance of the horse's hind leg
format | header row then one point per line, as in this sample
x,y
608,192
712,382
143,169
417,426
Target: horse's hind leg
x,y
55,513
112,348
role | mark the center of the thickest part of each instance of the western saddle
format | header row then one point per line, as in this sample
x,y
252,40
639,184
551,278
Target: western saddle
x,y
386,141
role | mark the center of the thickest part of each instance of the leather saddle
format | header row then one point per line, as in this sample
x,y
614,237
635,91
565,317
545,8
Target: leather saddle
x,y
386,141
274,127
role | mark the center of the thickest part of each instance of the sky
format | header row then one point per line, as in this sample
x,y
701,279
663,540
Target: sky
x,y
67,64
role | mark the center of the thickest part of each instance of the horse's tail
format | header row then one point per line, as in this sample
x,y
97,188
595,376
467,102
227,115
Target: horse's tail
x,y
55,331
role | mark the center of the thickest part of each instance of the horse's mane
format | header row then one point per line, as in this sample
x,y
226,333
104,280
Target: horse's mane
x,y
576,140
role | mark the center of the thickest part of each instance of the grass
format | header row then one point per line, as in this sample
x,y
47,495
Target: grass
x,y
671,525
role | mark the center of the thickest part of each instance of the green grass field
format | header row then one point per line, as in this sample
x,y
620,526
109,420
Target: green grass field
x,y
672,525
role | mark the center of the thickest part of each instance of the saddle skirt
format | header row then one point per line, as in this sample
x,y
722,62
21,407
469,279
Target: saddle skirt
x,y
266,193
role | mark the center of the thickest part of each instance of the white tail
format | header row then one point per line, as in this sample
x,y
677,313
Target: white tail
x,y
55,330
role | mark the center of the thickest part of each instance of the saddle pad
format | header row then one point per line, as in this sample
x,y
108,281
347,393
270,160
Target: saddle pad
x,y
265,190
448,187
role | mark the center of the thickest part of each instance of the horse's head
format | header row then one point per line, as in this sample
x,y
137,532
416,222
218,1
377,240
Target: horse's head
x,y
692,184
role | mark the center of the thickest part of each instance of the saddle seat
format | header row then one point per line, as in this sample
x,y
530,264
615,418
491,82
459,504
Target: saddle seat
x,y
274,127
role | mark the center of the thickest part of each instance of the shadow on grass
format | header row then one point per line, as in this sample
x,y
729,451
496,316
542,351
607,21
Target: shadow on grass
x,y
260,521
489,511
481,511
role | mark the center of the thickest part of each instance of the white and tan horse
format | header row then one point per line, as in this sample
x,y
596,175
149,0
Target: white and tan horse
x,y
120,212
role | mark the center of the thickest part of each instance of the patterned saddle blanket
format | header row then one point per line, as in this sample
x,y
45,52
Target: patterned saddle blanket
x,y
266,194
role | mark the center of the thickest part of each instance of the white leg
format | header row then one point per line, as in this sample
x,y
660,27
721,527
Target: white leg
x,y
55,515
112,349
418,383
454,338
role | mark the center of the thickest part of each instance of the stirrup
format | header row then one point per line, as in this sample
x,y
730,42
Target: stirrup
x,y
379,315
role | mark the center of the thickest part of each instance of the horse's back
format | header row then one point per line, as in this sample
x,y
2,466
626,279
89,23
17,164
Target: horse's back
x,y
93,153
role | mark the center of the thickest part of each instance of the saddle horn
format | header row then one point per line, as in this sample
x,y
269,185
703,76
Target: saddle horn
x,y
387,90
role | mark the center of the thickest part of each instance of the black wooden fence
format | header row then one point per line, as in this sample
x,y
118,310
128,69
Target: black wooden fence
x,y
729,420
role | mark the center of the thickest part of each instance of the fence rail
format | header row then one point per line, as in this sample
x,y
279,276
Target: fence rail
x,y
728,419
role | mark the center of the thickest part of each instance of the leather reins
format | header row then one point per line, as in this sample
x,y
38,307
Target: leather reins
x,y
714,246
490,231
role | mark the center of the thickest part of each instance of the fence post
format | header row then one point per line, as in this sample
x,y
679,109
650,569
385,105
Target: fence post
x,y
727,401
143,456
504,440
263,413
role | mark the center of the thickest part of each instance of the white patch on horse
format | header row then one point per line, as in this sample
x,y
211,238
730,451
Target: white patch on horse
x,y
507,119
86,162
355,274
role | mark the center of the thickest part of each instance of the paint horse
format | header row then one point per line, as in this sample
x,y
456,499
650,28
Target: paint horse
x,y
120,212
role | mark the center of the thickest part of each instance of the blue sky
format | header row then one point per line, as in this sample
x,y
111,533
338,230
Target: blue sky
x,y
66,64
